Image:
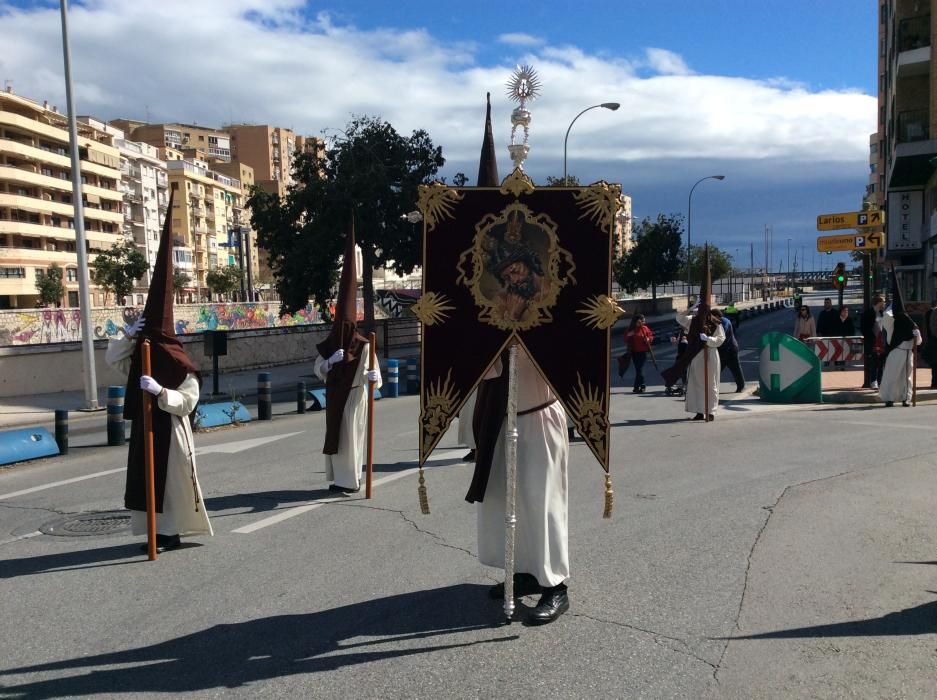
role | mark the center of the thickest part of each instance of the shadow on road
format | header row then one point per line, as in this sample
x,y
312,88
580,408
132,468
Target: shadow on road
x,y
71,561
264,501
233,655
921,619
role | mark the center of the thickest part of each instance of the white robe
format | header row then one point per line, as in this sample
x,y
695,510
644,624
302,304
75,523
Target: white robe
x,y
345,466
184,510
696,379
542,534
466,433
898,374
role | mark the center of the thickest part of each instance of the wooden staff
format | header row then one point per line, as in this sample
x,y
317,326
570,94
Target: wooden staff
x,y
149,473
372,341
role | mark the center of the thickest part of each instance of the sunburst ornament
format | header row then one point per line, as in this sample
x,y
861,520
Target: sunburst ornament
x,y
438,410
599,203
524,84
437,202
589,415
600,312
431,308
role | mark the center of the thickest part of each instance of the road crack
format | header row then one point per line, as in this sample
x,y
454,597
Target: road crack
x,y
48,510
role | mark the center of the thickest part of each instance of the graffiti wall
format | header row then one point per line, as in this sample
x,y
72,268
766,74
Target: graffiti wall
x,y
35,326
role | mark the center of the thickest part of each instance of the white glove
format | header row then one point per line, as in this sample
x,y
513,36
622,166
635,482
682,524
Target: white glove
x,y
916,333
336,357
147,383
135,327
704,337
373,375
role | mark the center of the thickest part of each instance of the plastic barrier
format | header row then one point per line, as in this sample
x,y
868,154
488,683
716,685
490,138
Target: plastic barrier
x,y
844,349
25,444
213,415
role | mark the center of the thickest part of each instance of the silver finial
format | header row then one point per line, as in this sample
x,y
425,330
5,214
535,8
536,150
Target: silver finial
x,y
523,87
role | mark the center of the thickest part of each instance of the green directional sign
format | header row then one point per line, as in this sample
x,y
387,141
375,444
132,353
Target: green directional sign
x,y
789,370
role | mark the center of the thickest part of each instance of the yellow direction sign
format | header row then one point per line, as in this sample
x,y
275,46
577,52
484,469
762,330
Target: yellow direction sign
x,y
850,219
862,242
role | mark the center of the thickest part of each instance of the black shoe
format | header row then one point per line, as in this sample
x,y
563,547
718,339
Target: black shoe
x,y
905,404
740,388
698,416
470,457
524,584
553,603
335,488
163,543
642,389
889,404
636,390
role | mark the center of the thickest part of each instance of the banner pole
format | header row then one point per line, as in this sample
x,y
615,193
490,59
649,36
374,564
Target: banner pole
x,y
510,493
372,341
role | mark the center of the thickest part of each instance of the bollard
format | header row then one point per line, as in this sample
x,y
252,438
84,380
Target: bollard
x,y
300,397
413,381
393,378
115,415
61,430
264,397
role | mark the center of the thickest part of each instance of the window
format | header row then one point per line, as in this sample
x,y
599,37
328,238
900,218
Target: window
x,y
71,274
73,299
40,273
47,172
13,272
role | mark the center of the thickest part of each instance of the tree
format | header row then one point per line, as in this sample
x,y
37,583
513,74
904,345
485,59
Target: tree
x,y
720,263
570,181
50,286
180,281
655,258
224,280
118,269
371,171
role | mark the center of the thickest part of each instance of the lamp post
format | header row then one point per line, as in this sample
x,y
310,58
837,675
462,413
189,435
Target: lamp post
x,y
689,219
607,105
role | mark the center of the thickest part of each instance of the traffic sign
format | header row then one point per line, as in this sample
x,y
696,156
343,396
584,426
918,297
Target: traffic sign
x,y
866,241
789,370
850,219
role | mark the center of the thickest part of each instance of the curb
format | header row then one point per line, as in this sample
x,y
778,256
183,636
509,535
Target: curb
x,y
869,396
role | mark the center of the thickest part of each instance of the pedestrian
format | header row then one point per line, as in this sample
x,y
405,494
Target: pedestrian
x,y
873,340
541,554
638,340
702,390
842,327
825,321
343,366
930,346
733,314
174,382
729,352
898,375
680,340
804,325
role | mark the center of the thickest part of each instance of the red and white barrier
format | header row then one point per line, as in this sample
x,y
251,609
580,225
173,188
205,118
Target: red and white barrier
x,y
848,349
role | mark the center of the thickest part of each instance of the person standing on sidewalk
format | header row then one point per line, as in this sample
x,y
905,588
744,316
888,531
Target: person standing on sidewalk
x,y
842,327
729,352
804,325
873,343
638,339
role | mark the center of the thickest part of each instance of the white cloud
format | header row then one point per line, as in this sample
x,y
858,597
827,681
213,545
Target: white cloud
x,y
216,61
519,39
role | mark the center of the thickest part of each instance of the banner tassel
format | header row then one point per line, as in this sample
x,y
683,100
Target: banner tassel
x,y
609,496
421,491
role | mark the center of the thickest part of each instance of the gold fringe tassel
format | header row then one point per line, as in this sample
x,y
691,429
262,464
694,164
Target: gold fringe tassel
x,y
609,496
424,498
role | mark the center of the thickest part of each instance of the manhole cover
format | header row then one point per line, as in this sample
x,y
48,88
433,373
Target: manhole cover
x,y
88,524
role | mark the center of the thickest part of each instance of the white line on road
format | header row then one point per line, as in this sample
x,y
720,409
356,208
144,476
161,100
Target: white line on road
x,y
21,537
64,482
299,510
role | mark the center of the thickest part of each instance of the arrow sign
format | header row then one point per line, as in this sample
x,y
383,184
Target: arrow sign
x,y
850,219
789,370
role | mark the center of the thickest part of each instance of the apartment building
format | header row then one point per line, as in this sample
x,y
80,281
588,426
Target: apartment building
x,y
216,143
206,206
269,150
237,170
36,209
905,169
624,227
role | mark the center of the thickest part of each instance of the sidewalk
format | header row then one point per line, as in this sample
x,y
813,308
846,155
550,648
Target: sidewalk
x,y
846,386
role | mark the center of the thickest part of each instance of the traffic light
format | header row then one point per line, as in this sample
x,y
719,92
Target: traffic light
x,y
839,276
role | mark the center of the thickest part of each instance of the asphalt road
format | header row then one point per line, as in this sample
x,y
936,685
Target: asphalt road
x,y
778,552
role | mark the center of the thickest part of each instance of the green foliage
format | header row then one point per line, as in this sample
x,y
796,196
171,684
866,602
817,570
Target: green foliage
x,y
372,171
118,269
224,280
570,181
720,263
180,281
50,286
655,258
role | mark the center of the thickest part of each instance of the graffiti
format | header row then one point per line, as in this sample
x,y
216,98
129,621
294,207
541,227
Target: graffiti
x,y
36,326
396,302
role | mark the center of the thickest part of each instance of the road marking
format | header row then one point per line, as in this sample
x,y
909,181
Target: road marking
x,y
231,448
299,510
21,537
64,482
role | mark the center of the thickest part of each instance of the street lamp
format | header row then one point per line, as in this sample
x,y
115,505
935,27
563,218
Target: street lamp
x,y
689,219
607,105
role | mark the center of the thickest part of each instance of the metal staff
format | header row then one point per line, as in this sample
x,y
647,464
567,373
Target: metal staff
x,y
149,474
510,491
372,340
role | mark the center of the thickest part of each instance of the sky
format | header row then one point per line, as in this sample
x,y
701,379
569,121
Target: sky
x,y
778,96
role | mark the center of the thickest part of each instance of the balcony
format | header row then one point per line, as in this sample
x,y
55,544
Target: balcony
x,y
913,125
914,46
162,180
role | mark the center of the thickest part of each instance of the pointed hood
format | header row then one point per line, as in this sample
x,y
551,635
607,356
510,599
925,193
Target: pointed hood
x,y
344,335
487,163
701,323
897,298
159,302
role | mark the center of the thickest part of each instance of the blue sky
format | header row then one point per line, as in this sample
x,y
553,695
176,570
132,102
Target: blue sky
x,y
778,96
